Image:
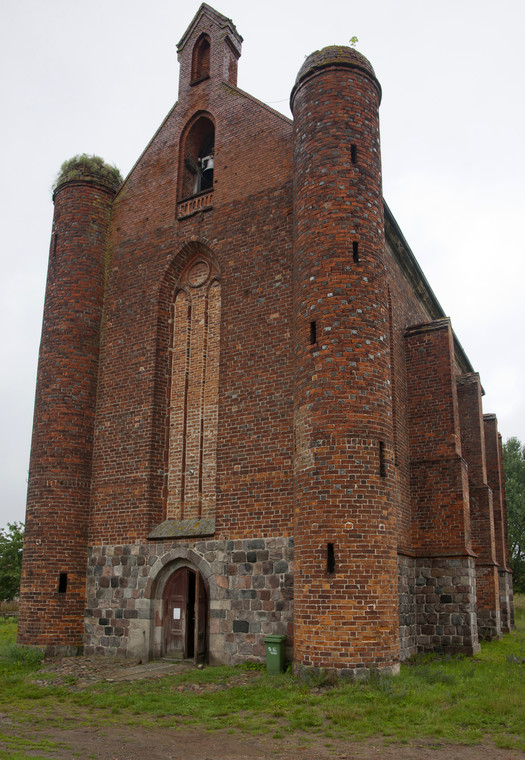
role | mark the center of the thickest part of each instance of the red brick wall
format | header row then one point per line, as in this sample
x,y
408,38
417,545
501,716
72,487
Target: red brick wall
x,y
504,519
473,451
472,431
248,233
481,508
405,309
496,482
439,480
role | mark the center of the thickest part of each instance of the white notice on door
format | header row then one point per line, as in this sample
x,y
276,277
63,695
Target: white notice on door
x,y
176,613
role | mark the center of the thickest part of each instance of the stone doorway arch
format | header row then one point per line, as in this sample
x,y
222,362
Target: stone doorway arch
x,y
181,579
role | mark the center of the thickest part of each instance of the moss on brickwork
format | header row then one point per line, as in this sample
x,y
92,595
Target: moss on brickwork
x,y
88,168
339,56
334,55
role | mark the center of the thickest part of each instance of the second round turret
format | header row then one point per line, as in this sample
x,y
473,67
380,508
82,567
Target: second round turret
x,y
345,608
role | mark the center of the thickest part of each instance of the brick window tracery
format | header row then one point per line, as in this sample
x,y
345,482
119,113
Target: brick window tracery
x,y
192,464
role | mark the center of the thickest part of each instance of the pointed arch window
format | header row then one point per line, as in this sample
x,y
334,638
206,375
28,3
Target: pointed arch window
x,y
193,413
200,62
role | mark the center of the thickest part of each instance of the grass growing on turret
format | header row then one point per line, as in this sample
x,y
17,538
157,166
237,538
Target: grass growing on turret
x,y
445,699
85,166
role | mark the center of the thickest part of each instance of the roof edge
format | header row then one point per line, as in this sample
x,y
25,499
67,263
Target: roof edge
x,y
414,274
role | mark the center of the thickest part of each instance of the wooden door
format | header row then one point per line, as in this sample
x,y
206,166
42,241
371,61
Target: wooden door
x,y
175,608
185,615
202,619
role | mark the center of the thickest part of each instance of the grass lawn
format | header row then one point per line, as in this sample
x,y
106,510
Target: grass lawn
x,y
455,699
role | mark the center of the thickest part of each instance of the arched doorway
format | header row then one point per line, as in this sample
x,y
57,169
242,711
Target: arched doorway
x,y
185,608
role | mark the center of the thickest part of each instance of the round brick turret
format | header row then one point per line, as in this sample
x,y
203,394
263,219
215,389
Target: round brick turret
x,y
334,56
345,597
54,561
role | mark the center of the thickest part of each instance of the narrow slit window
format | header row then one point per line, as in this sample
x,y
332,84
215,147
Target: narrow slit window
x,y
382,461
62,583
353,153
313,333
330,559
355,251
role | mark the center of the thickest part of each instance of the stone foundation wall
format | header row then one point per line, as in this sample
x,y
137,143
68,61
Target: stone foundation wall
x,y
446,604
250,595
506,600
437,605
489,615
407,607
249,585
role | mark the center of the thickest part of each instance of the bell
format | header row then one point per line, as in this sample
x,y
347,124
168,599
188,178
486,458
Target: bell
x,y
207,163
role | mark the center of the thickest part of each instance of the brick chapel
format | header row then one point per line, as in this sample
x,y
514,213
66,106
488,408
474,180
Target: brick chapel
x,y
252,415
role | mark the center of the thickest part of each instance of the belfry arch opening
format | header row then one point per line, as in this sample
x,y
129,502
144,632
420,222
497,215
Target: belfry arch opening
x,y
185,616
200,62
198,150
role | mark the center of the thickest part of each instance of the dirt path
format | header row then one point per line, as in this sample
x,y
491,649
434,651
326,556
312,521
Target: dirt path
x,y
137,743
77,739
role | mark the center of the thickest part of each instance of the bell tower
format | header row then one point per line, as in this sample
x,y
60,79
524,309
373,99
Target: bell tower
x,y
209,50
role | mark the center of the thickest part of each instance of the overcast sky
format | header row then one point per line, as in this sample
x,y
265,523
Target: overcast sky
x,y
98,76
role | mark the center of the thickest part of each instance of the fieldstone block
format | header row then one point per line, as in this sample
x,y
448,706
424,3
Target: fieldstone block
x,y
241,626
259,581
257,543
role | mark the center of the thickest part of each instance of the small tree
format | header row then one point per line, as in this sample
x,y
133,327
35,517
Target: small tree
x,y
11,541
514,463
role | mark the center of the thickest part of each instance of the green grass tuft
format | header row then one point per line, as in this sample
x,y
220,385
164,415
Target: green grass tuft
x,y
27,658
8,628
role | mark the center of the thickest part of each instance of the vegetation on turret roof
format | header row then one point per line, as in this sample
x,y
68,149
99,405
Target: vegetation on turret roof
x,y
84,167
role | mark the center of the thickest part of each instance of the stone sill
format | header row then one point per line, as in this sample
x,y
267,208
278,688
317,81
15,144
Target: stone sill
x,y
204,526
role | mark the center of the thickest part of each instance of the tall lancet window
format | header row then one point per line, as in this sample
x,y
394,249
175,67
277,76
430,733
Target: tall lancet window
x,y
192,459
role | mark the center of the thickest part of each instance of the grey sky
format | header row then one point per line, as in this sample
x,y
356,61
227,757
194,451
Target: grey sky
x,y
98,76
